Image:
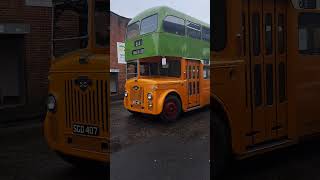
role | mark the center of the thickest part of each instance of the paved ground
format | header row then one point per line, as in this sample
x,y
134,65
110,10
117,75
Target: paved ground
x,y
300,162
154,150
24,155
150,148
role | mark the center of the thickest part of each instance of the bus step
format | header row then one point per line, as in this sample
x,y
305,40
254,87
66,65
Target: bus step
x,y
269,145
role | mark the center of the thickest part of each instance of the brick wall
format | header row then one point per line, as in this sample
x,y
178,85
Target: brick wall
x,y
118,26
37,49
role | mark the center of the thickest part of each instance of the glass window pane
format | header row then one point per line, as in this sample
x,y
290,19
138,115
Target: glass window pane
x,y
174,25
205,34
133,30
193,30
101,24
256,34
219,16
309,33
281,34
149,24
268,34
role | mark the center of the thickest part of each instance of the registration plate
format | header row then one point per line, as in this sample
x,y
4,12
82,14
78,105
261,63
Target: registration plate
x,y
85,130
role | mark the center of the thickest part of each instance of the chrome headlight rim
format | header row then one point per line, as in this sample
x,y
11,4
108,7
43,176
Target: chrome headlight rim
x,y
149,96
51,103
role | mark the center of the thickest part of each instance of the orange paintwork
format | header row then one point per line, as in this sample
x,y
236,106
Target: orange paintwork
x,y
58,125
161,86
257,129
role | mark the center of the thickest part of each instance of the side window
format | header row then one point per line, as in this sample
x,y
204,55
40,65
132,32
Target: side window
x,y
206,72
256,34
268,34
309,33
219,19
193,30
281,34
174,25
205,34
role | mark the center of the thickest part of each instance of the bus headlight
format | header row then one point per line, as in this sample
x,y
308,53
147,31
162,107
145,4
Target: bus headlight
x,y
149,96
125,94
51,103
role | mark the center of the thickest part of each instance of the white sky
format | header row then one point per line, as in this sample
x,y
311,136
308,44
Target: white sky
x,y
199,9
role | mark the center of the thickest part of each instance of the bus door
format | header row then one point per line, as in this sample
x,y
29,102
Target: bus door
x,y
193,81
269,68
264,60
258,124
281,70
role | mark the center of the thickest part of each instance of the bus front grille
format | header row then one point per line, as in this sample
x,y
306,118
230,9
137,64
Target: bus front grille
x,y
89,107
136,96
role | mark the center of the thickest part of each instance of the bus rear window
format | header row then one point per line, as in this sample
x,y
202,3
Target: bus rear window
x,y
219,25
149,24
133,30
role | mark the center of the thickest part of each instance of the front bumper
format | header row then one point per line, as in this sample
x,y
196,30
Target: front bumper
x,y
75,145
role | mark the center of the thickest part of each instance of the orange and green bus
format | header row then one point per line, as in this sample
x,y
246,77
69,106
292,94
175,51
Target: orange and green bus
x,y
167,54
77,121
265,76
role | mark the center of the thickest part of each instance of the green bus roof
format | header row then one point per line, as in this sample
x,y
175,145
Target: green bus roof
x,y
166,10
162,43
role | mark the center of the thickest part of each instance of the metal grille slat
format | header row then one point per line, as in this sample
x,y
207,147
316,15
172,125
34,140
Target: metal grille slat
x,y
86,107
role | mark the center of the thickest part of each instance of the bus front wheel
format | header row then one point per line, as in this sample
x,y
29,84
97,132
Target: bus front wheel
x,y
134,113
221,146
171,109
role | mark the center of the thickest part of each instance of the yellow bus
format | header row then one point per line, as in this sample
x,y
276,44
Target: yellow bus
x,y
167,54
265,76
77,121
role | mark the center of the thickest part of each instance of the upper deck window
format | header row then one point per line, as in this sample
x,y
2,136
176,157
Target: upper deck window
x,y
205,34
309,33
133,30
149,24
193,30
174,25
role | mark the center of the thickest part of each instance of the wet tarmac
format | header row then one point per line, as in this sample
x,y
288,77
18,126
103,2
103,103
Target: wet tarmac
x,y
24,155
154,150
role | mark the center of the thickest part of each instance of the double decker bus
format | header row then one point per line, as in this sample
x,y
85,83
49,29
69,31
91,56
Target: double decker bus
x,y
167,54
77,121
265,76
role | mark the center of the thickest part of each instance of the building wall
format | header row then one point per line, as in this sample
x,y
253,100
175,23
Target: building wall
x,y
37,51
118,26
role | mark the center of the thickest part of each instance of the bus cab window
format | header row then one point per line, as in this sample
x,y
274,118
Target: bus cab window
x,y
132,69
219,25
309,33
101,24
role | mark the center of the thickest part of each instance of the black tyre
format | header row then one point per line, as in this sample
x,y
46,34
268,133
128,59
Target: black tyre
x,y
134,113
221,146
171,109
